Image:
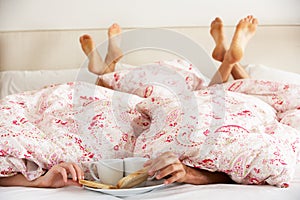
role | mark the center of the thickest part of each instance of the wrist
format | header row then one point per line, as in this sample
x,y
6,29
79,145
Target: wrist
x,y
191,176
18,180
37,183
199,176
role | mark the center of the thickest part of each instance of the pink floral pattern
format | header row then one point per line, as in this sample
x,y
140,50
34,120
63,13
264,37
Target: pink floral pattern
x,y
229,130
248,129
175,76
72,122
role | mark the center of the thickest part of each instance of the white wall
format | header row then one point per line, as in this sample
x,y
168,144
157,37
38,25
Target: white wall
x,y
70,14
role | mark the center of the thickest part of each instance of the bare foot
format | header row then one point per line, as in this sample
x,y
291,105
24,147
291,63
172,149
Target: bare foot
x,y
87,44
245,30
114,53
96,65
216,31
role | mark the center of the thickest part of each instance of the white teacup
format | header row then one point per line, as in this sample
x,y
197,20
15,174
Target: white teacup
x,y
110,171
133,164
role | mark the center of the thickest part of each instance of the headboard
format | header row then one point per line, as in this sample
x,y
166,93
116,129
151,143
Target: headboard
x,y
33,59
274,46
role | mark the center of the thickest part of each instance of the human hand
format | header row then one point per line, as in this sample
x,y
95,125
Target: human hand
x,y
167,164
57,176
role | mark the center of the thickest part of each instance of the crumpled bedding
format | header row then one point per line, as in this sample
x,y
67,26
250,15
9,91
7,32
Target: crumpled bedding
x,y
247,129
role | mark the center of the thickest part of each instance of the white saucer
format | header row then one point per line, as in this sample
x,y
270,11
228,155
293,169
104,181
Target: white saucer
x,y
130,191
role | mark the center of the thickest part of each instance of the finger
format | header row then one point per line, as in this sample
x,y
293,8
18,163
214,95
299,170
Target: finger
x,y
167,154
73,172
158,166
175,177
79,172
163,162
71,169
182,157
71,182
148,163
169,170
163,156
62,171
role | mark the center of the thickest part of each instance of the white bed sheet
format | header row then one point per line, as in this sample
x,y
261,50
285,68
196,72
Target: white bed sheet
x,y
172,192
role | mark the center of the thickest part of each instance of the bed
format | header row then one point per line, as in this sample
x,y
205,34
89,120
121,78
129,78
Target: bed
x,y
40,58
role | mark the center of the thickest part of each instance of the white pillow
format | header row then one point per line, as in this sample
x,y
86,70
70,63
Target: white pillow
x,y
12,82
267,73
